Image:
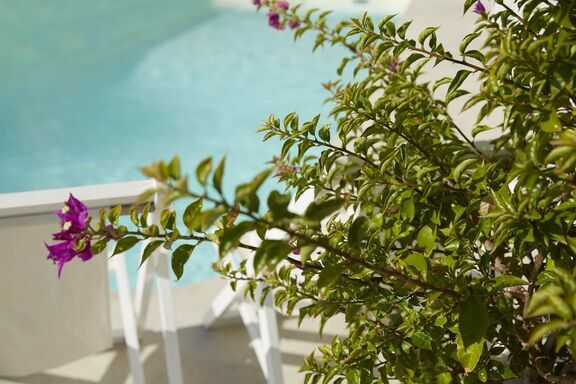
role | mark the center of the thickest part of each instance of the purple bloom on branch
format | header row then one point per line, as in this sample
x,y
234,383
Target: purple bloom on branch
x,y
74,241
294,24
256,2
274,21
67,250
394,66
479,8
283,170
73,215
282,4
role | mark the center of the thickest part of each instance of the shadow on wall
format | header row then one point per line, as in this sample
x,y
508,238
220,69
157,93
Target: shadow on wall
x,y
46,45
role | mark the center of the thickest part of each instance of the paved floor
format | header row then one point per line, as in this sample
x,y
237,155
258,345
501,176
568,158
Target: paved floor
x,y
221,355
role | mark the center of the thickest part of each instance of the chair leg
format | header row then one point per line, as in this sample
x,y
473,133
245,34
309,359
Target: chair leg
x,y
249,315
118,264
169,332
270,341
144,290
221,303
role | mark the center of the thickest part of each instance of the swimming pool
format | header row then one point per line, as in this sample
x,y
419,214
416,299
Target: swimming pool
x,y
199,87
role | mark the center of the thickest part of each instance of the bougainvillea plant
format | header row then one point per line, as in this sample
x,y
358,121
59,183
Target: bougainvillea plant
x,y
453,262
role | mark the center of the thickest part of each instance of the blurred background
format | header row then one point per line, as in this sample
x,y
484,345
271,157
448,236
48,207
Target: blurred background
x,y
92,90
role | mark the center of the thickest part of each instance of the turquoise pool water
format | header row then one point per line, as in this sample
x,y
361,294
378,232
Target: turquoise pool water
x,y
91,111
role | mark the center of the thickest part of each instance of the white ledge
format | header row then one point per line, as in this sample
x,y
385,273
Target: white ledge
x,y
50,200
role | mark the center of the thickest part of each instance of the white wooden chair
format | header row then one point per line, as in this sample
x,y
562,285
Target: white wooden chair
x,y
260,321
48,321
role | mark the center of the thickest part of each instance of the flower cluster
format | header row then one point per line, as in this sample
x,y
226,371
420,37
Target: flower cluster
x,y
274,19
73,239
479,8
283,170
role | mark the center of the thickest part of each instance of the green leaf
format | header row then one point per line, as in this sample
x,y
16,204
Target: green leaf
x,y
149,249
210,216
203,170
539,303
318,210
426,238
468,4
467,40
144,215
408,209
231,237
412,59
552,123
479,129
482,375
114,214
444,378
545,329
461,167
422,340
328,275
461,75
425,33
179,258
99,246
561,307
134,216
218,174
324,133
472,320
357,229
278,204
469,356
505,281
246,194
353,376
174,167
418,261
125,244
167,218
192,217
257,181
269,253
559,152
306,251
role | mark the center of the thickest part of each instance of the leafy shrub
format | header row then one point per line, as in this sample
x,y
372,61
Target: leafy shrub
x,y
450,261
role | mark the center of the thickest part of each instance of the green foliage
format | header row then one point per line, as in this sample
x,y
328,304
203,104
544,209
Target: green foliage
x,y
451,261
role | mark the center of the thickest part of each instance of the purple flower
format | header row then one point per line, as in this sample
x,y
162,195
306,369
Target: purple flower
x,y
394,66
73,216
256,2
296,252
67,250
280,170
274,21
283,170
74,242
293,24
479,8
282,4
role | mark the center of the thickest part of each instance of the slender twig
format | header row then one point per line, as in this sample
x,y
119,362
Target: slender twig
x,y
448,58
518,17
366,160
384,271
